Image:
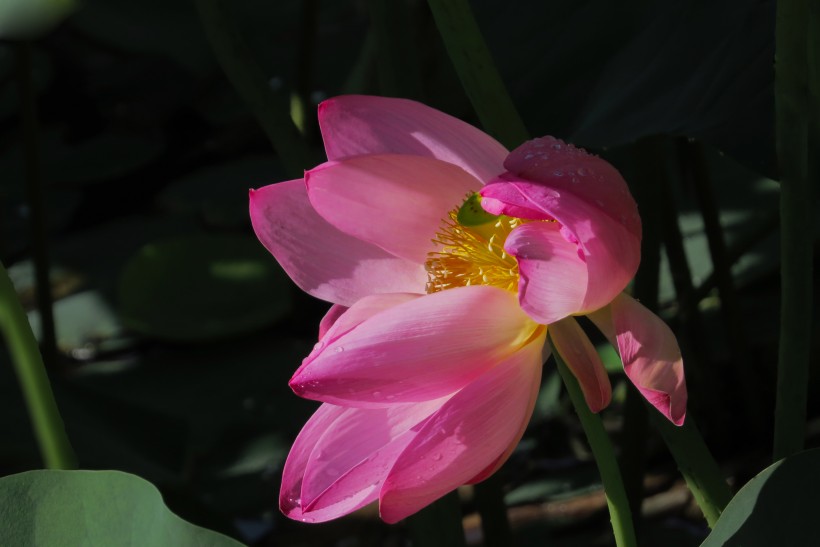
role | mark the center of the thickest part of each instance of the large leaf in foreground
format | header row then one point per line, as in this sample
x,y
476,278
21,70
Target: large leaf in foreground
x,y
53,508
777,507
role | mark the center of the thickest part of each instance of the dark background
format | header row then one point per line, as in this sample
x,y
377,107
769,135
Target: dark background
x,y
177,332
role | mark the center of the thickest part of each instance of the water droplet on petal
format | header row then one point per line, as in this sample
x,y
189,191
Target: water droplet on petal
x,y
583,171
339,349
437,457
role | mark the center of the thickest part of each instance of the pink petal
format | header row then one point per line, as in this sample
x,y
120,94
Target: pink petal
x,y
572,344
553,278
420,350
546,351
332,315
353,125
548,179
362,310
395,202
320,259
650,354
352,458
290,494
466,436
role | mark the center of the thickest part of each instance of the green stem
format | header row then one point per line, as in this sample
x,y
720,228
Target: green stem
x,y
693,165
604,454
636,418
765,225
489,500
304,66
36,202
696,464
397,54
438,524
477,71
45,417
270,108
793,119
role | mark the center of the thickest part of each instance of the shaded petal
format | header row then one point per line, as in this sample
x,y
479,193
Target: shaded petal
x,y
332,315
553,278
353,125
420,350
466,436
573,345
362,310
395,202
546,351
320,259
650,353
290,493
351,460
548,179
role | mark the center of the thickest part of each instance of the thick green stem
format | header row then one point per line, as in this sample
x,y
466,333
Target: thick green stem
x,y
636,419
489,500
477,71
696,464
28,363
604,454
439,524
270,108
399,66
304,67
766,224
793,122
693,165
36,202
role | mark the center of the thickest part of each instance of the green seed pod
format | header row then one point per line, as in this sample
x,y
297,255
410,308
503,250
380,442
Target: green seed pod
x,y
471,213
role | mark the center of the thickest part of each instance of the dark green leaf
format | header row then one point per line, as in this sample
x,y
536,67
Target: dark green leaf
x,y
777,507
55,508
603,73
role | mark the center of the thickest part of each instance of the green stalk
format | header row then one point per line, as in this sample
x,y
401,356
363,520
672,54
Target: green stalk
x,y
696,464
636,418
270,108
304,67
489,500
28,363
619,513
793,120
36,201
685,443
693,163
477,71
438,524
397,55
766,224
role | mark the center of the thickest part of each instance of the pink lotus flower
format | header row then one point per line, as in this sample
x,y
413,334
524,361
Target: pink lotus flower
x,y
429,362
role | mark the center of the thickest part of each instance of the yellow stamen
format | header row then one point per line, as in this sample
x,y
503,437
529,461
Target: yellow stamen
x,y
472,255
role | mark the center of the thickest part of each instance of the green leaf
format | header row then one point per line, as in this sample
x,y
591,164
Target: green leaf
x,y
605,73
31,19
777,507
202,287
53,508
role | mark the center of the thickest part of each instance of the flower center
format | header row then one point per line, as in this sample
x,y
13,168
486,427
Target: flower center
x,y
472,254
